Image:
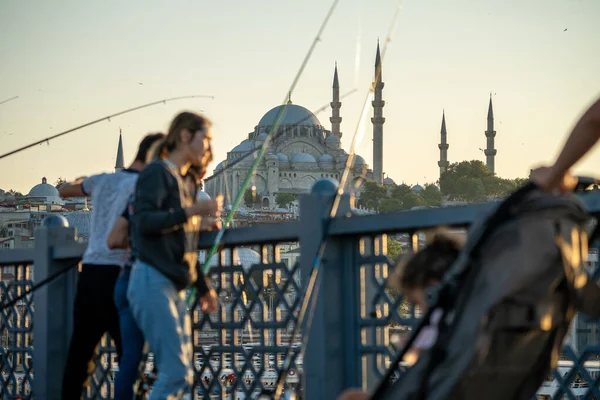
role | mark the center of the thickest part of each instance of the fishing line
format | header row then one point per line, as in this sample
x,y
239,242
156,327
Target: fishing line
x,y
39,285
6,101
240,195
312,283
108,117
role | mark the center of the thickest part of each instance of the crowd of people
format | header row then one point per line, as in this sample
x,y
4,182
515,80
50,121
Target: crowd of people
x,y
142,256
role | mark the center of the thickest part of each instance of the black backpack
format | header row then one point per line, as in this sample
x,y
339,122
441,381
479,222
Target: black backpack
x,y
507,304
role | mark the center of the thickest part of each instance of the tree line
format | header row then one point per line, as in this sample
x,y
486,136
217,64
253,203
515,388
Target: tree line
x,y
466,181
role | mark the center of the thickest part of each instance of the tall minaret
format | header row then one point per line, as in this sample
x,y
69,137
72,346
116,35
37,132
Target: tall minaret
x,y
443,146
335,106
378,121
119,164
490,134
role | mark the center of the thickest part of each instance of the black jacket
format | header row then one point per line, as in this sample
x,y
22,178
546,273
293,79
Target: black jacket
x,y
162,236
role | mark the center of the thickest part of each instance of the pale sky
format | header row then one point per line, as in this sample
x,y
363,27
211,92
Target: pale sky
x,y
71,62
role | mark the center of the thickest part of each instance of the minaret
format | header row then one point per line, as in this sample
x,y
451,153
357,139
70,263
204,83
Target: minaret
x,y
119,165
443,146
335,106
378,121
490,134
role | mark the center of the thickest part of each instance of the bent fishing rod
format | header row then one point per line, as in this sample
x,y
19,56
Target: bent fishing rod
x,y
312,288
217,244
108,117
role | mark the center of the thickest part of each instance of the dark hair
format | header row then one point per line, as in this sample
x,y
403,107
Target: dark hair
x,y
185,120
146,144
429,264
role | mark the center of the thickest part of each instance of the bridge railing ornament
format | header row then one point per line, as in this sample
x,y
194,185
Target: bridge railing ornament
x,y
355,328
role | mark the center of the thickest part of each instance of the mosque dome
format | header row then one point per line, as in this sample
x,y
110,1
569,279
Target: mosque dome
x,y
262,137
342,158
303,158
47,191
333,142
292,115
43,189
241,256
82,221
219,166
282,157
417,188
272,156
358,160
325,158
246,145
389,182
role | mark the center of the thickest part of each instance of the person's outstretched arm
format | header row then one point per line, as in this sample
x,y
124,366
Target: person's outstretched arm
x,y
583,137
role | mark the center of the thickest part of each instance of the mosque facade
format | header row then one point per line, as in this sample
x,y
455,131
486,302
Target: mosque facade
x,y
303,151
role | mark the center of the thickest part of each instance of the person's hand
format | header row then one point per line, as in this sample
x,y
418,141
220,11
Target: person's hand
x,y
207,207
209,303
210,223
548,180
353,394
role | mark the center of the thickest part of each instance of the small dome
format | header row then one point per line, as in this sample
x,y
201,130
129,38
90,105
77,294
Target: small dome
x,y
272,156
417,188
202,195
219,166
262,137
326,158
389,182
43,189
246,145
82,221
333,142
358,160
303,158
282,157
342,158
292,115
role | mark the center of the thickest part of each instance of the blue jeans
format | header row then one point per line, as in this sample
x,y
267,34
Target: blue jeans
x,y
132,338
161,313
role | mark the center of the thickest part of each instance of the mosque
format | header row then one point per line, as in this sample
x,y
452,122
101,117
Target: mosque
x,y
303,151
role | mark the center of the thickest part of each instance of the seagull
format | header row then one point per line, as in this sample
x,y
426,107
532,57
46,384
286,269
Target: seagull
x,y
565,29
140,83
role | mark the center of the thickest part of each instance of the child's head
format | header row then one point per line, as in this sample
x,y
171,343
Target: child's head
x,y
426,267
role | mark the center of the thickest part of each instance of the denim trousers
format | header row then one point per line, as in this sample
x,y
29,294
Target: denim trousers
x,y
132,339
160,311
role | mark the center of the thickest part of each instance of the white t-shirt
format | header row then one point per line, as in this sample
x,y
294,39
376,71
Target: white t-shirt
x,y
110,194
428,334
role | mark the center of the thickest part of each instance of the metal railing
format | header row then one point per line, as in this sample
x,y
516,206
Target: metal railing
x,y
259,277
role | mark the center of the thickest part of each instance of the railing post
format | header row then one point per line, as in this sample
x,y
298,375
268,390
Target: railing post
x,y
330,351
53,316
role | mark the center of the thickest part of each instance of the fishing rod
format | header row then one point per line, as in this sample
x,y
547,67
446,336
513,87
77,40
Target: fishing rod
x,y
310,296
275,137
39,285
108,117
6,101
217,243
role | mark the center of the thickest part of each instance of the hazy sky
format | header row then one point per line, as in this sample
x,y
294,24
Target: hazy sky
x,y
71,62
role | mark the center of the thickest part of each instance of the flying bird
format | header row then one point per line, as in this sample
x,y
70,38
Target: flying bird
x,y
565,29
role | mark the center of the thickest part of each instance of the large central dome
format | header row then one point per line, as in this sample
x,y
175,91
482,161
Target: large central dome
x,y
292,115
